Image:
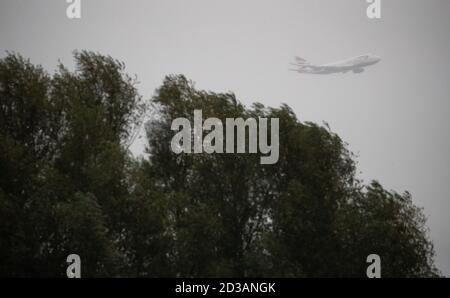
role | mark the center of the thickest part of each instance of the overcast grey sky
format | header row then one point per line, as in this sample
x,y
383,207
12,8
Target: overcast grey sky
x,y
394,115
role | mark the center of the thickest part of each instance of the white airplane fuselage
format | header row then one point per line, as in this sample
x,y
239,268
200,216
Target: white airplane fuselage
x,y
355,64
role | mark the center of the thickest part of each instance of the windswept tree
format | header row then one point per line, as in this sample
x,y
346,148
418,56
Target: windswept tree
x,y
30,127
64,164
305,216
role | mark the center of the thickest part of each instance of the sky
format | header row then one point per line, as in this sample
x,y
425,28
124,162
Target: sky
x,y
394,115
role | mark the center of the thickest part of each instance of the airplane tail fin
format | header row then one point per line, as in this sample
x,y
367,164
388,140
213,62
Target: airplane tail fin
x,y
300,61
299,64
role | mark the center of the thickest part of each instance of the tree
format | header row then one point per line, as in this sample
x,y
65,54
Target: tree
x,y
232,216
387,223
64,162
29,134
214,220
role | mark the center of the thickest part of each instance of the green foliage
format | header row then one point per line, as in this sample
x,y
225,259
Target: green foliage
x,y
68,184
388,222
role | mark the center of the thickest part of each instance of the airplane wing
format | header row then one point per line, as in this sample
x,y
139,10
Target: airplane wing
x,y
342,63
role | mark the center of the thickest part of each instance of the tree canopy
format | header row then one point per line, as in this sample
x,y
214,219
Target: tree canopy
x,y
69,184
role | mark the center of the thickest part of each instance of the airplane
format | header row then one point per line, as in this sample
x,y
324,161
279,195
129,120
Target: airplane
x,y
355,64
